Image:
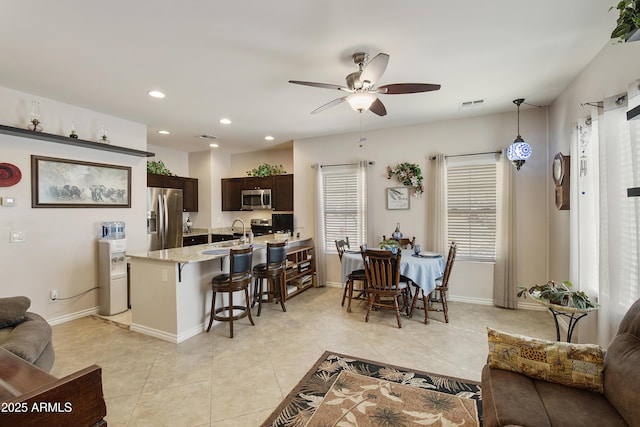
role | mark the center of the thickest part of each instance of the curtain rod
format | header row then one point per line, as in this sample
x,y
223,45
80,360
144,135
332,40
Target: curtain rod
x,y
469,154
370,162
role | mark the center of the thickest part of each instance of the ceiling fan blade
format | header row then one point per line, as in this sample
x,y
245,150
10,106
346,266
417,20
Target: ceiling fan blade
x,y
374,69
400,88
321,85
329,105
378,108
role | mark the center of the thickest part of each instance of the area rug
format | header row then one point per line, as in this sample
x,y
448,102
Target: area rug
x,y
343,391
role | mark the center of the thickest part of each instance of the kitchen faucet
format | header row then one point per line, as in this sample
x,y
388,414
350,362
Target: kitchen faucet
x,y
243,239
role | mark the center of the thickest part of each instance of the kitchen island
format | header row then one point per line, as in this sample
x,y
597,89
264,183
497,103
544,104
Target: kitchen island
x,y
171,289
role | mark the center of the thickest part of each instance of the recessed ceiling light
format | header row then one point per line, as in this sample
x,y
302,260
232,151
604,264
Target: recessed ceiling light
x,y
156,94
269,138
164,132
225,121
214,145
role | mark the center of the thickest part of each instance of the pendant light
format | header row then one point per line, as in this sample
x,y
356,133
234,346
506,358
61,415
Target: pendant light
x,y
519,151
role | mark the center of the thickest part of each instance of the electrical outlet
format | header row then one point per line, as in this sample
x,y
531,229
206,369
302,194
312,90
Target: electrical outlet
x,y
165,277
53,295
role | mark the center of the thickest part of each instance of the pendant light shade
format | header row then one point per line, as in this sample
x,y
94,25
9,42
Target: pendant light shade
x,y
519,151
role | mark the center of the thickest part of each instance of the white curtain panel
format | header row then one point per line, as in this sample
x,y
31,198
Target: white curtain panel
x,y
439,239
505,270
321,265
366,235
619,275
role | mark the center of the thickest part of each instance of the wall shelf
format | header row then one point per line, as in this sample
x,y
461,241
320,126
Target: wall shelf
x,y
25,133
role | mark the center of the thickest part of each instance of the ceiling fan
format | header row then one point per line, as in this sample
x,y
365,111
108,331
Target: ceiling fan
x,y
361,86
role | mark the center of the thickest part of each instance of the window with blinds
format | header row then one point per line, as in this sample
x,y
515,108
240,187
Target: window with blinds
x,y
471,209
345,205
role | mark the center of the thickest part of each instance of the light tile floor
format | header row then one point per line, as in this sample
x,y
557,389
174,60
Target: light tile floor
x,y
212,380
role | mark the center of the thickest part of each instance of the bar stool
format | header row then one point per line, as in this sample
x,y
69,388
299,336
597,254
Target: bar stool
x,y
238,279
273,272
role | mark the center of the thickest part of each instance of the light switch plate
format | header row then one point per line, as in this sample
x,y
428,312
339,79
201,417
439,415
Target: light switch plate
x,y
8,201
17,236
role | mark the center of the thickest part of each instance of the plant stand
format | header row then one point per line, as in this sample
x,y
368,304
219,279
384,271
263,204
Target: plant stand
x,y
572,313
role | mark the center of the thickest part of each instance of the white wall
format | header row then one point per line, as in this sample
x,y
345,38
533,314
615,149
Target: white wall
x,y
415,144
176,161
60,251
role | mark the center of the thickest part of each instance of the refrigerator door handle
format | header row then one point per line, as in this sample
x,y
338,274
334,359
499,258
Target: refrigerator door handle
x,y
161,220
165,231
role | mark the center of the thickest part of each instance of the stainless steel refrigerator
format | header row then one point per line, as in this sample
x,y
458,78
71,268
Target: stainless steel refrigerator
x,y
164,218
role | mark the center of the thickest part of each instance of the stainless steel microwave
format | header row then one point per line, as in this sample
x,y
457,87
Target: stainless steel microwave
x,y
256,199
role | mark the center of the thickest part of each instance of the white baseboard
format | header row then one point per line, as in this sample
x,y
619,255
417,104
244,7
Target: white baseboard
x,y
73,316
479,301
166,336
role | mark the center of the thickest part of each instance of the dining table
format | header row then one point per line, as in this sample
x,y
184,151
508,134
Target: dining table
x,y
422,269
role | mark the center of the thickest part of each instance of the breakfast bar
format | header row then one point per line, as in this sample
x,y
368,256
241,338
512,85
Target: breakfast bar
x,y
171,288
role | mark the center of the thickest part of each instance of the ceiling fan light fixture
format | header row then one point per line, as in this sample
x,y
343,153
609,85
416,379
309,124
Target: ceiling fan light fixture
x,y
519,151
361,101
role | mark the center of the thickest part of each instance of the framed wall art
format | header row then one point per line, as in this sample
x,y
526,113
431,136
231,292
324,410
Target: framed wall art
x,y
60,183
397,198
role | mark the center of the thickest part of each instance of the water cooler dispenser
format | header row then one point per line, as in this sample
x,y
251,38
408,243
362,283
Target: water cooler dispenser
x,y
112,266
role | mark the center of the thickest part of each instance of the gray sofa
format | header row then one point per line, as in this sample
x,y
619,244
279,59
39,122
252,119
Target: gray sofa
x,y
25,334
511,398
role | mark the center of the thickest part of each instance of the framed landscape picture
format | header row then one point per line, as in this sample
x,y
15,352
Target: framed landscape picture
x,y
397,198
60,183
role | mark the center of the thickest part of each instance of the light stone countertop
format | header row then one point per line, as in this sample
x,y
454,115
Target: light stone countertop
x,y
192,254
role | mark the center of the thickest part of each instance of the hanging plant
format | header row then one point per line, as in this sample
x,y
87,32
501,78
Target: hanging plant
x,y
628,20
409,175
266,169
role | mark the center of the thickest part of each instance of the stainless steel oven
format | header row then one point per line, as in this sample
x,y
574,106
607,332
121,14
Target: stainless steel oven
x,y
256,199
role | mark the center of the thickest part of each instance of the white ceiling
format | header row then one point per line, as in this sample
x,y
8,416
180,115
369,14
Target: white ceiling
x,y
233,59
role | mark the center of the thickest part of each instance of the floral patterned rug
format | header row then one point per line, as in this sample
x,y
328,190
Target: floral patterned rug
x,y
345,391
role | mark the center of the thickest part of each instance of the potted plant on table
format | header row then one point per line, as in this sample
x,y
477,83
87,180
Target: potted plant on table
x,y
628,21
558,294
390,245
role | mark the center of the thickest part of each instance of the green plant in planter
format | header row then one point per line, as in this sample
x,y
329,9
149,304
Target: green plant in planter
x,y
158,168
266,169
559,294
628,19
389,244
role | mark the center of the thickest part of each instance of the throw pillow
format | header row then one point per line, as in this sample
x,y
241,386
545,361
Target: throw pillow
x,y
12,310
575,365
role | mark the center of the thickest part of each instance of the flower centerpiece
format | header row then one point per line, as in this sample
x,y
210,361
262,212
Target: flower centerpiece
x,y
266,169
409,175
559,294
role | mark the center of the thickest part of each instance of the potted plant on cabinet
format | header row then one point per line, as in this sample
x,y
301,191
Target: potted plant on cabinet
x,y
628,21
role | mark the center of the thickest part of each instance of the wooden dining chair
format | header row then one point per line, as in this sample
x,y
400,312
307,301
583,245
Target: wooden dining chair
x,y
354,276
383,280
406,243
439,294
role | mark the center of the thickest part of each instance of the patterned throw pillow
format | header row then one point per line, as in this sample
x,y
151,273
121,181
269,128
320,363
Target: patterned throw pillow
x,y
574,365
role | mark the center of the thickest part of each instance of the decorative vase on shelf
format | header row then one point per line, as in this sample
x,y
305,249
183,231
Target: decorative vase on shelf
x,y
104,138
34,124
73,131
397,235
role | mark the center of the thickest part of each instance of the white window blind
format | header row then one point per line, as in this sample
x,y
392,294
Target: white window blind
x,y
471,209
345,205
